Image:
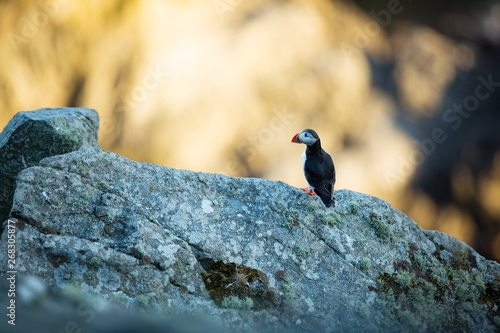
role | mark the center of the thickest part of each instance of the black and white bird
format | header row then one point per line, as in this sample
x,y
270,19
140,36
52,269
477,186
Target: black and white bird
x,y
318,167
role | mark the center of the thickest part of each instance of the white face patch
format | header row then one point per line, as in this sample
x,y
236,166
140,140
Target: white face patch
x,y
307,138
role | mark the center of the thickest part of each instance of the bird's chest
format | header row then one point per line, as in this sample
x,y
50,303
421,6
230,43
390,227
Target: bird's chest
x,y
311,163
304,159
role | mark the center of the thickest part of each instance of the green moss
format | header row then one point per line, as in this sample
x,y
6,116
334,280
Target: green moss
x,y
85,196
331,218
234,302
119,298
291,219
311,207
75,283
95,263
365,264
288,292
434,295
143,300
380,226
421,262
469,287
439,276
358,239
364,311
301,254
353,208
462,259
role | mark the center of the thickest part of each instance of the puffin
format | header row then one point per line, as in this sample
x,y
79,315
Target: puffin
x,y
318,167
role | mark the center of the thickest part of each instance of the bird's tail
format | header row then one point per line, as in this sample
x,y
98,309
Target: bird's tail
x,y
328,199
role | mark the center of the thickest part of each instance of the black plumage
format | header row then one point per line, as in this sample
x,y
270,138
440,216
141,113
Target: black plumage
x,y
319,169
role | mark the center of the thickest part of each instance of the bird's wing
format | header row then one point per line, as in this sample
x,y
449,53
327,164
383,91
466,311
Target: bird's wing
x,y
322,179
329,165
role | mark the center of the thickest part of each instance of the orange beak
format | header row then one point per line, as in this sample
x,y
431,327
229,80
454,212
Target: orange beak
x,y
295,138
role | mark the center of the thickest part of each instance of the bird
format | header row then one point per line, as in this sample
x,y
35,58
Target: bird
x,y
318,167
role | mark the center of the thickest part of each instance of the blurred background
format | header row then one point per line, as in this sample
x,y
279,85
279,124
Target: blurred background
x,y
405,95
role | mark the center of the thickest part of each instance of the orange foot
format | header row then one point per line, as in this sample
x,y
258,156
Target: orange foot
x,y
308,191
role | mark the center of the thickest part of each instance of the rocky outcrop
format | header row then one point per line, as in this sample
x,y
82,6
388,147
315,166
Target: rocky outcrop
x,y
33,135
251,254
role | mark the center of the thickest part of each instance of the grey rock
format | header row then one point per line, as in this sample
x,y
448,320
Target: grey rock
x,y
252,254
33,135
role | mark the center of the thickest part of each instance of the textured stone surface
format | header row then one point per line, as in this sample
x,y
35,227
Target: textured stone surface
x,y
33,135
248,253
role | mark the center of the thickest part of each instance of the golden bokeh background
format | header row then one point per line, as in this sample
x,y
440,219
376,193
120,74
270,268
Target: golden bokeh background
x,y
223,85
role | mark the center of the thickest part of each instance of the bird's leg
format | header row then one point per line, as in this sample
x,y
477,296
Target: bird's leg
x,y
308,191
